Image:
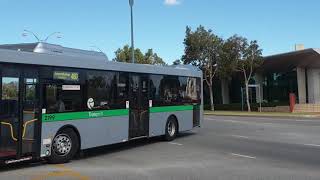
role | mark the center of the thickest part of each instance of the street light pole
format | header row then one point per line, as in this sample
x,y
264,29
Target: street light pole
x,y
131,3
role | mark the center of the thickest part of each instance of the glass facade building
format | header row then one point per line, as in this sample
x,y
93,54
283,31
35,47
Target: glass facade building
x,y
280,75
278,86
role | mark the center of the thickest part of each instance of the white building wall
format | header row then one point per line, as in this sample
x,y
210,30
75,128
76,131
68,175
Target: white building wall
x,y
301,78
313,86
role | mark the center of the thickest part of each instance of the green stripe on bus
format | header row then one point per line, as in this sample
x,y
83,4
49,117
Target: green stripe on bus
x,y
108,113
171,109
83,115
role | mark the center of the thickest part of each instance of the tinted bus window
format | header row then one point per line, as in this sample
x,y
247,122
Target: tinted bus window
x,y
63,90
164,90
199,83
174,90
101,90
123,90
61,98
170,90
155,81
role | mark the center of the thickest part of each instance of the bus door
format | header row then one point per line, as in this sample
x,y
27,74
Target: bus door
x,y
19,121
139,106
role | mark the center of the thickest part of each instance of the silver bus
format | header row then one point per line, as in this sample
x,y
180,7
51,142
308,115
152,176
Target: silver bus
x,y
57,101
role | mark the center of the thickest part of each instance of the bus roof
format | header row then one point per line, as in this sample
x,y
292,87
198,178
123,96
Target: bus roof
x,y
56,55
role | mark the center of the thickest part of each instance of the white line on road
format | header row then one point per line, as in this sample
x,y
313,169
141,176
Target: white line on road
x,y
242,122
262,118
284,119
178,144
314,145
306,120
242,137
231,121
243,156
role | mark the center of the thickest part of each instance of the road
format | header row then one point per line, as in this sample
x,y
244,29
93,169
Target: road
x,y
227,148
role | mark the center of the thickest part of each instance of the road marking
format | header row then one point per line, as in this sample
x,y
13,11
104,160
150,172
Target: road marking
x,y
243,156
242,137
178,144
226,120
306,120
62,172
230,121
314,145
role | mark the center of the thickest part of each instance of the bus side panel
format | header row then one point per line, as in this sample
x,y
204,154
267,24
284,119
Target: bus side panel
x,y
93,132
158,122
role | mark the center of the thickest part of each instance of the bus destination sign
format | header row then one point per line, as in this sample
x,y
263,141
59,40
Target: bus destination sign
x,y
67,76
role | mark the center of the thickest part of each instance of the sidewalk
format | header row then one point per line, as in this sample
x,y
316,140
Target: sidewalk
x,y
263,114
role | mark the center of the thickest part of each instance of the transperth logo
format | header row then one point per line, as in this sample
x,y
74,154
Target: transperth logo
x,y
90,103
95,114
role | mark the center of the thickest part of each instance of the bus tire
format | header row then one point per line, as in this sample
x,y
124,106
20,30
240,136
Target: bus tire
x,y
171,129
65,145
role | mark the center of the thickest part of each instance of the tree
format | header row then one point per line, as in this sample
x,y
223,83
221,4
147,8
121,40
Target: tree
x,y
252,59
124,55
176,62
243,57
153,58
230,54
203,49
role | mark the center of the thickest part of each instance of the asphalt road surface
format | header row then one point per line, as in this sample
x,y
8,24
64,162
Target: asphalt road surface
x,y
227,148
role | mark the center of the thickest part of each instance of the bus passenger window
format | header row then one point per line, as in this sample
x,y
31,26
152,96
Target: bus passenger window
x,y
123,90
9,98
60,100
174,90
102,89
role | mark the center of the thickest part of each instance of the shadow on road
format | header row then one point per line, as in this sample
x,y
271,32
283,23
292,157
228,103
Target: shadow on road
x,y
24,165
104,150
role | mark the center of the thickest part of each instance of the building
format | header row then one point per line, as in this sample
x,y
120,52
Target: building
x,y
296,72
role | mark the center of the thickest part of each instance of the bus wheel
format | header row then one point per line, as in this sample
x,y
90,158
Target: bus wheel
x,y
171,129
65,145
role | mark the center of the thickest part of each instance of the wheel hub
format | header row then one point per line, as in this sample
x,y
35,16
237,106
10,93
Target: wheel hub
x,y
62,144
171,128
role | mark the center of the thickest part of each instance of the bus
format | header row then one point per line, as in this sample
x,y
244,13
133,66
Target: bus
x,y
58,101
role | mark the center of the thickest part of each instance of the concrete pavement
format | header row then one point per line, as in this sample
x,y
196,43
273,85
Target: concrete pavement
x,y
230,148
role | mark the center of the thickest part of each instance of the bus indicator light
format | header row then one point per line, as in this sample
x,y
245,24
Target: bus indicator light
x,y
127,105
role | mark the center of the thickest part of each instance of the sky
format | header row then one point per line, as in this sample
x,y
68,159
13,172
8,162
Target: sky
x,y
277,25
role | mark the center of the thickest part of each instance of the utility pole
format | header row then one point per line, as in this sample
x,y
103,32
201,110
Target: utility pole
x,y
131,3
